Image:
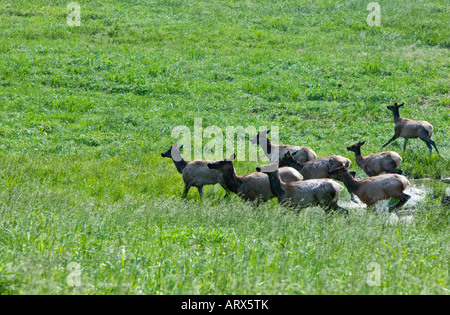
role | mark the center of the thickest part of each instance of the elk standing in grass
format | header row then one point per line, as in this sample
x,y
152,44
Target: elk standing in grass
x,y
313,192
253,186
377,163
370,190
195,173
301,154
409,129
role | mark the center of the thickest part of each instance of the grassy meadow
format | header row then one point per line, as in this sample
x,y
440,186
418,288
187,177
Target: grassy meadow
x,y
85,112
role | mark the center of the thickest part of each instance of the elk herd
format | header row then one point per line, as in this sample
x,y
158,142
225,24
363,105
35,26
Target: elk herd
x,y
297,178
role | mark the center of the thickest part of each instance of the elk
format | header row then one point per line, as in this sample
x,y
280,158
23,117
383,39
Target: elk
x,y
377,163
318,168
301,154
195,173
301,194
253,186
371,190
409,129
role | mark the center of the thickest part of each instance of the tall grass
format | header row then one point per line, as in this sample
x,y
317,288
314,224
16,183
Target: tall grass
x,y
169,246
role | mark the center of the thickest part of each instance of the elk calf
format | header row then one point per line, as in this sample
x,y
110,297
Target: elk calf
x,y
313,192
301,154
195,173
408,129
370,190
318,168
253,186
377,163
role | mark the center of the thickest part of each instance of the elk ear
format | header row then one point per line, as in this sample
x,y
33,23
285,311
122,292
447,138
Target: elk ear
x,y
342,167
287,154
268,131
181,147
362,143
346,164
232,157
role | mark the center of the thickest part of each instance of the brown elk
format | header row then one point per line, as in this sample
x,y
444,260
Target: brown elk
x,y
409,129
317,168
377,163
253,186
371,190
301,154
195,173
312,192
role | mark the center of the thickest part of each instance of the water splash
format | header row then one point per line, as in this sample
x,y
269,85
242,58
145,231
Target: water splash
x,y
417,193
394,218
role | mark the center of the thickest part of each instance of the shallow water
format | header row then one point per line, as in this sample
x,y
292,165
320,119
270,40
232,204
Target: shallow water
x,y
417,191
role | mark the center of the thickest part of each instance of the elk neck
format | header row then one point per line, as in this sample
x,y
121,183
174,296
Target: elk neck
x,y
358,157
276,186
180,163
232,180
350,182
397,117
267,148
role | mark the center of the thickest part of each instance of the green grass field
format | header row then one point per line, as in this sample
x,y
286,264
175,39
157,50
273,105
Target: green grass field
x,y
85,112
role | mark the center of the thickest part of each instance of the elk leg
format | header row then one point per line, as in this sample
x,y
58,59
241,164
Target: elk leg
x,y
403,199
200,191
186,190
352,198
428,145
393,169
404,144
227,192
371,206
430,142
434,145
392,139
340,210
